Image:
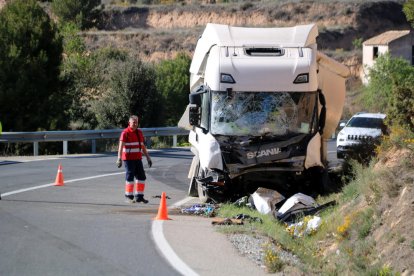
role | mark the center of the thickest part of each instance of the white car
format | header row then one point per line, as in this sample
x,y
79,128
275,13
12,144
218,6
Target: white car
x,y
361,128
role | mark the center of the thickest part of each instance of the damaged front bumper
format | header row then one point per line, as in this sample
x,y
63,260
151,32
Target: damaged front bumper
x,y
293,164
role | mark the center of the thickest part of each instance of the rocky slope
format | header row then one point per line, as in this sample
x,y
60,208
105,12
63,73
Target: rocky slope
x,y
158,32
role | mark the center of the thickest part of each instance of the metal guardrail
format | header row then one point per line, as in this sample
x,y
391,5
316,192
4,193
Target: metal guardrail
x,y
79,135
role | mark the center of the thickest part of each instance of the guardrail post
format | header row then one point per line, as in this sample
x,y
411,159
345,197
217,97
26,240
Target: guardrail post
x,y
174,141
93,146
65,147
35,148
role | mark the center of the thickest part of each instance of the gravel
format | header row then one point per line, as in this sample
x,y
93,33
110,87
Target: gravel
x,y
253,247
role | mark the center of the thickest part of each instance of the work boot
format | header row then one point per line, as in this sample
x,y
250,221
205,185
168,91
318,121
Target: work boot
x,y
140,198
129,199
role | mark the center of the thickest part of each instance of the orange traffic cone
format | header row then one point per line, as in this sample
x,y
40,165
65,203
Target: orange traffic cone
x,y
162,210
59,176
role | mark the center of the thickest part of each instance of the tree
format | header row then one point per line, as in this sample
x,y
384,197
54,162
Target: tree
x,y
408,9
79,77
83,13
390,90
173,82
383,76
129,90
30,55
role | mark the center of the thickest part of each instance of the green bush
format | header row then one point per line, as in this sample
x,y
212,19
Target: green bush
x,y
401,109
390,90
408,9
173,82
83,13
129,90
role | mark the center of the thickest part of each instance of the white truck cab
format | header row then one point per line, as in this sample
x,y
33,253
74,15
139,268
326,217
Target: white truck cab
x,y
263,102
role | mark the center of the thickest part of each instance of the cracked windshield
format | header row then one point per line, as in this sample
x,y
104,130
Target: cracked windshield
x,y
262,113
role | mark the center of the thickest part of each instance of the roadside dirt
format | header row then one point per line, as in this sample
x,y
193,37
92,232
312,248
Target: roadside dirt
x,y
394,236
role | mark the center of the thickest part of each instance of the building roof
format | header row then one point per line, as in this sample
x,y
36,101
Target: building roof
x,y
386,38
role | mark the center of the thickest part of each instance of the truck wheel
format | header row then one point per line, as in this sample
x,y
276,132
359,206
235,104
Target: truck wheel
x,y
202,195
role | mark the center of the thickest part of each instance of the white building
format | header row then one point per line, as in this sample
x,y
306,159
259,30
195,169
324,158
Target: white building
x,y
397,43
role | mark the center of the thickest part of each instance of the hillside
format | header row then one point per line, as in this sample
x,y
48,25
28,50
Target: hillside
x,y
158,32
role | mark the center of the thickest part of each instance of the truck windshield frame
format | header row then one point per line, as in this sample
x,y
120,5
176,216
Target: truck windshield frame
x,y
263,113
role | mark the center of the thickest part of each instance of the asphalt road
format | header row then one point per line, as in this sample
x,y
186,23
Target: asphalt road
x,y
85,227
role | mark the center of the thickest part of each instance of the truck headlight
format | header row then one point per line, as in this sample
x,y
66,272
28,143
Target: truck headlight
x,y
226,78
302,78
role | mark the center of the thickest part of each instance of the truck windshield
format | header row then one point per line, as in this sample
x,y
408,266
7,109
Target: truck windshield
x,y
262,113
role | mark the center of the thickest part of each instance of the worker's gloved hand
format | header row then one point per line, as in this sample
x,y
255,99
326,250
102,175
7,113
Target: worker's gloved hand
x,y
149,162
119,162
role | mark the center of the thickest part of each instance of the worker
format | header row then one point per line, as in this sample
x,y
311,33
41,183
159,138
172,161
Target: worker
x,y
130,150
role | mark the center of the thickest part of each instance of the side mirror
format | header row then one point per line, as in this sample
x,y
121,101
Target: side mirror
x,y
341,125
195,115
195,99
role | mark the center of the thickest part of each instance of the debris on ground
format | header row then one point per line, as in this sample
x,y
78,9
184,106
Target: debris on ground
x,y
249,218
207,209
299,205
159,196
265,200
243,202
226,221
306,227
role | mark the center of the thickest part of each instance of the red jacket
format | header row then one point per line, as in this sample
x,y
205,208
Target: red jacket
x,y
134,141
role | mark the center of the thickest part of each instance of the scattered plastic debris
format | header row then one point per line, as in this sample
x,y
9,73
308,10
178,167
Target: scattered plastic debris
x,y
300,205
243,202
294,205
307,226
265,200
249,218
200,209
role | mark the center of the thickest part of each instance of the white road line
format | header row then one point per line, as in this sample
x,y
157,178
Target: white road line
x,y
51,184
26,190
167,251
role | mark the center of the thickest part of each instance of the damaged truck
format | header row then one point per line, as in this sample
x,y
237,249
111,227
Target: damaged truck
x,y
262,105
